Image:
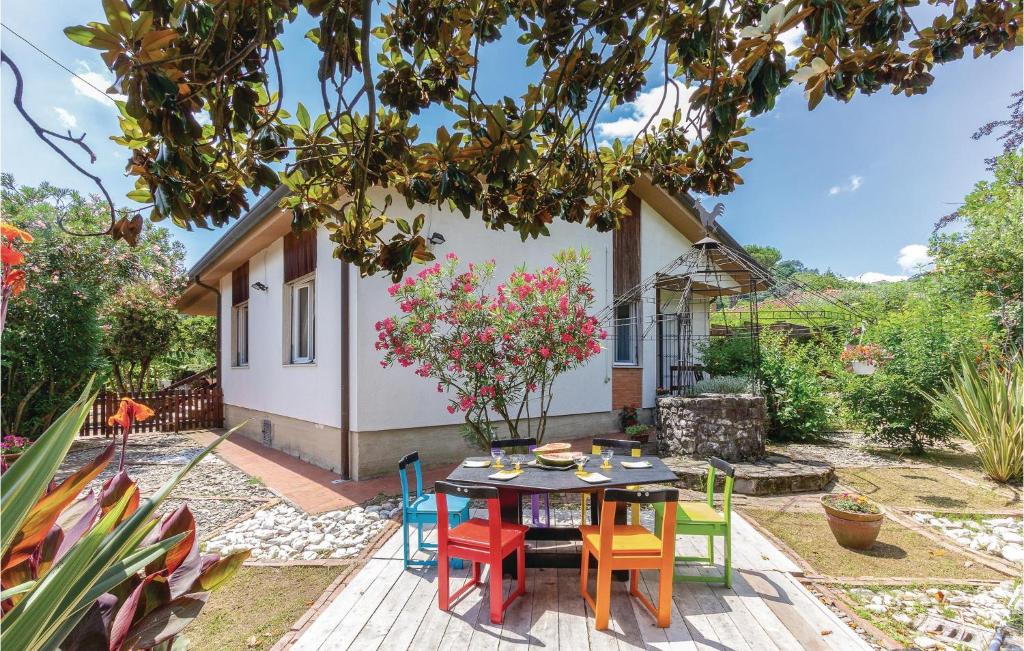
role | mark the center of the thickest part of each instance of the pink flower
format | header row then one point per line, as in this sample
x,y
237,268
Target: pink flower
x,y
451,409
544,352
393,289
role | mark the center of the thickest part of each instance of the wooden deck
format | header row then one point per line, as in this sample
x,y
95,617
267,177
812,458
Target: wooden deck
x,y
386,607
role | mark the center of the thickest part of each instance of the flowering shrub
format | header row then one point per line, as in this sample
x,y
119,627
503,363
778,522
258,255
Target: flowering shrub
x,y
851,503
12,444
498,354
870,353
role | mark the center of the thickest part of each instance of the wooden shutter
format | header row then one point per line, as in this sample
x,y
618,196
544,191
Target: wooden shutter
x,y
240,284
626,249
299,254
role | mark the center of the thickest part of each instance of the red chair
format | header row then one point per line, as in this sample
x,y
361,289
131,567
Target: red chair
x,y
480,542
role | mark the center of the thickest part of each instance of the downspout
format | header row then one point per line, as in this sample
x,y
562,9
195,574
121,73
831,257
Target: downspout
x,y
216,292
346,384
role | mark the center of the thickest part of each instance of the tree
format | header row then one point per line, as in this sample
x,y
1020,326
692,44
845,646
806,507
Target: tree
x,y
984,257
205,122
139,325
766,256
52,339
497,354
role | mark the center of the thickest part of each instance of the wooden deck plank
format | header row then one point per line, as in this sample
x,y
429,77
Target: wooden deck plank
x,y
741,597
677,636
699,625
515,633
435,622
544,621
572,613
422,600
465,613
487,636
362,611
749,628
391,609
338,609
770,557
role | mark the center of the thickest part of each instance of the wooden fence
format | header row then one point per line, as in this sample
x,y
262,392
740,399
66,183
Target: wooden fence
x,y
176,410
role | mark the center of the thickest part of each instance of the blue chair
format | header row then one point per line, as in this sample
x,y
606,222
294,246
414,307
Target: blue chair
x,y
420,509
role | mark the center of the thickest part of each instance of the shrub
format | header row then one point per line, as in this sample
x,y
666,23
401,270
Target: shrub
x,y
729,355
986,406
628,417
851,503
798,405
923,340
724,384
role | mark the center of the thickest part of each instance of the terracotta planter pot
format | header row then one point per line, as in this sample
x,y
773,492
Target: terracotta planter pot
x,y
642,438
853,530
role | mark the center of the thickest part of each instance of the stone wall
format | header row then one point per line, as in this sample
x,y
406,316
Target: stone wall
x,y
728,426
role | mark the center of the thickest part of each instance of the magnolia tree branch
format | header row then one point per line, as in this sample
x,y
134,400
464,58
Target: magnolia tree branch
x,y
49,137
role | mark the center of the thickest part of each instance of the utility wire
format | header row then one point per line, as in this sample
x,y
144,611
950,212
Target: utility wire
x,y
59,64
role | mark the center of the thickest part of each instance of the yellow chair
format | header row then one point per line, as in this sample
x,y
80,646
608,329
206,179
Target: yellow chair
x,y
630,547
701,519
595,450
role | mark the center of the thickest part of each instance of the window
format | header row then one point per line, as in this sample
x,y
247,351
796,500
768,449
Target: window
x,y
240,335
627,326
303,326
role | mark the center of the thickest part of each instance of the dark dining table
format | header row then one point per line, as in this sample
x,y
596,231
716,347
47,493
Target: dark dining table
x,y
534,480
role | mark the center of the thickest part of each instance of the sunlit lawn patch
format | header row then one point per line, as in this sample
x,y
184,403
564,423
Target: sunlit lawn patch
x,y
925,488
257,606
899,552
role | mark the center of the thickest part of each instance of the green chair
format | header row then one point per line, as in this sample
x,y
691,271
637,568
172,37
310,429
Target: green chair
x,y
701,519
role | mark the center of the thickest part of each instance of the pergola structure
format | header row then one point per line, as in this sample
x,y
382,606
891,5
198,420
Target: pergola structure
x,y
715,290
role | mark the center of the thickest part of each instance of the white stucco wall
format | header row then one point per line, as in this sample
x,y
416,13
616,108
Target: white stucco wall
x,y
395,398
308,392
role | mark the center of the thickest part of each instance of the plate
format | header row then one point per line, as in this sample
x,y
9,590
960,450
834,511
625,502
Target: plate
x,y
594,478
636,465
543,466
505,475
476,463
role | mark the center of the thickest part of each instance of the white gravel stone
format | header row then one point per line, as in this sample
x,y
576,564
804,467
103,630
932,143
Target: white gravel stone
x,y
925,643
1012,553
988,535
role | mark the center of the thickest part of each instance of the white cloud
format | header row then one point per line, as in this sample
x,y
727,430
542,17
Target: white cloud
x,y
66,117
646,106
855,183
89,82
792,39
876,277
913,257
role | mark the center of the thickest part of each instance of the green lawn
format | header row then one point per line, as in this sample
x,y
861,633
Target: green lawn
x,y
257,606
924,488
899,552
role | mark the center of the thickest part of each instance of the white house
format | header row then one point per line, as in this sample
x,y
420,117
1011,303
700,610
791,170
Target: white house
x,y
296,351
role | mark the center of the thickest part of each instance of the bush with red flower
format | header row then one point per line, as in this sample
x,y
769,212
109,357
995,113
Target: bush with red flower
x,y
497,354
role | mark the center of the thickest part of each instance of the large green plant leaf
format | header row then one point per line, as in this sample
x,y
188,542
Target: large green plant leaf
x,y
27,478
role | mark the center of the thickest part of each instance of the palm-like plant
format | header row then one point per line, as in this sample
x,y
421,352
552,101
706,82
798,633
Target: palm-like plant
x,y
986,405
90,570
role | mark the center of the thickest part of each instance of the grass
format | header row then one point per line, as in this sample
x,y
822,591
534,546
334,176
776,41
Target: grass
x,y
257,606
923,488
899,552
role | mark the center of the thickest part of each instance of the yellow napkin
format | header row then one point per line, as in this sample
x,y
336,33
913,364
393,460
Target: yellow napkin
x,y
593,477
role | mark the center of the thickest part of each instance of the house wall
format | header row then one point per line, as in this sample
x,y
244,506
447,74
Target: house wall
x,y
300,400
393,410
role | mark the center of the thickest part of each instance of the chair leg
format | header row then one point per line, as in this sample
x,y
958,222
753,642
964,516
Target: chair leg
x,y
443,601
547,509
634,583
497,613
405,543
476,573
583,509
584,571
521,569
711,550
603,598
665,580
728,557
454,520
535,509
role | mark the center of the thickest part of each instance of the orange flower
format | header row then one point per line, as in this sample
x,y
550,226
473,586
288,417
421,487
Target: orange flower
x,y
128,413
9,257
16,281
12,233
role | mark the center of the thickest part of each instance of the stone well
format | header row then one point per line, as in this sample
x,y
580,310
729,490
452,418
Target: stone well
x,y
727,426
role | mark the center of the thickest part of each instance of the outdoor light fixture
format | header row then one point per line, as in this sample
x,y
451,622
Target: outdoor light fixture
x,y
436,238
260,286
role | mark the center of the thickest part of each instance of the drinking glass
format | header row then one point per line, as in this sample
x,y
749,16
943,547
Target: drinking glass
x,y
606,456
580,462
503,461
496,455
517,462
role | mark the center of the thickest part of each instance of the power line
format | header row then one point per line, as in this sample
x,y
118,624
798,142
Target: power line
x,y
59,64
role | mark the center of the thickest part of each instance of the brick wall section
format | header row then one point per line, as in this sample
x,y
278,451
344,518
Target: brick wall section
x,y
627,387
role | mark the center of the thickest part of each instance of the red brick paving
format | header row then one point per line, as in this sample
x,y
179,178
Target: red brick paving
x,y
307,486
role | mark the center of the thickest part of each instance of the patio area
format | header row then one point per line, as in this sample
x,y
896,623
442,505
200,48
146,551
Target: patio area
x,y
387,607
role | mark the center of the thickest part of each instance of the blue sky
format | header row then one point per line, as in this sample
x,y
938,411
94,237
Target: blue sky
x,y
846,187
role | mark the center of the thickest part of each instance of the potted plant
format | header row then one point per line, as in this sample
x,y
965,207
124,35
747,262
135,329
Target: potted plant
x,y
12,447
628,417
864,359
639,432
854,519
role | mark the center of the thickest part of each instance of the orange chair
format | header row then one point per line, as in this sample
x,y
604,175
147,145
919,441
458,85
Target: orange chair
x,y
480,542
630,547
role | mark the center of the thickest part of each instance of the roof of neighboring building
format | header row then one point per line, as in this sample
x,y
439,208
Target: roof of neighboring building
x,y
266,222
